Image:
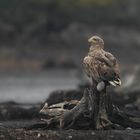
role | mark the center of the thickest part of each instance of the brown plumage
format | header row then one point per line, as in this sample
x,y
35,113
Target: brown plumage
x,y
101,65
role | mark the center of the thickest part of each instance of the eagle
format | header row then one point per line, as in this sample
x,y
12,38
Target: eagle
x,y
101,66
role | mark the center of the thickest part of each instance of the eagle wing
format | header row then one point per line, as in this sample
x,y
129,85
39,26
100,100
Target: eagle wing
x,y
102,65
110,72
111,58
106,57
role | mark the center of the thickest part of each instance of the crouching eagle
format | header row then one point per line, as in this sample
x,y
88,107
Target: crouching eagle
x,y
100,65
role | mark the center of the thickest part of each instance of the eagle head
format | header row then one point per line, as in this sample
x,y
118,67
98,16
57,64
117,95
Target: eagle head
x,y
96,40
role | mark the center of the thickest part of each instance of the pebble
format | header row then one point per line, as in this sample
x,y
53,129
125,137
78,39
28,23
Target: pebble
x,y
111,136
38,135
128,128
70,137
92,133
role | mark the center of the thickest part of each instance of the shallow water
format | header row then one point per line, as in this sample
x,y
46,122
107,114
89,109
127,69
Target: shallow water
x,y
33,87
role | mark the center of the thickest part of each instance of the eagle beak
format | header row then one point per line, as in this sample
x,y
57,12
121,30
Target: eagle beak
x,y
89,40
116,82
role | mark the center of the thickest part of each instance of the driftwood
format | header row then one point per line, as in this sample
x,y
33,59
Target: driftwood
x,y
94,111
53,113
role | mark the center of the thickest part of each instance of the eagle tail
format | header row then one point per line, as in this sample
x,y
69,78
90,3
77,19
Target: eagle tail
x,y
116,82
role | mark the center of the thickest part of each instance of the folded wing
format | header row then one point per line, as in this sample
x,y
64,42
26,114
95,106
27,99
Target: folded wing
x,y
109,69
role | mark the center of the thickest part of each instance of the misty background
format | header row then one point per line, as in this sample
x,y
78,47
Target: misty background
x,y
43,42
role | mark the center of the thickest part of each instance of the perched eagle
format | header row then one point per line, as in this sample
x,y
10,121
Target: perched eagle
x,y
100,65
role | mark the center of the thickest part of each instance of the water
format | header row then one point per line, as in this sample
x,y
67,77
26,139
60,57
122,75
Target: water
x,y
33,87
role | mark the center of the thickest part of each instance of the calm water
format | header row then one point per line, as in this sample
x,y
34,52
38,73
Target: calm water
x,y
33,87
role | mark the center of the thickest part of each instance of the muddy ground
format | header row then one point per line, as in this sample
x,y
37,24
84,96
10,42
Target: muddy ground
x,y
14,134
15,130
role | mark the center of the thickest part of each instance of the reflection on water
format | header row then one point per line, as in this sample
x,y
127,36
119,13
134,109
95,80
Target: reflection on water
x,y
34,87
